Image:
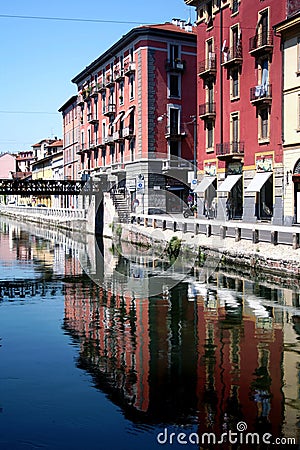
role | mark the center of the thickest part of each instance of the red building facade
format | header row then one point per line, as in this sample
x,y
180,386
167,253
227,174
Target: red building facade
x,y
135,104
240,108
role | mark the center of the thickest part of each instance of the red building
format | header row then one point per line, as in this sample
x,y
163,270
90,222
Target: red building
x,y
240,108
136,101
71,135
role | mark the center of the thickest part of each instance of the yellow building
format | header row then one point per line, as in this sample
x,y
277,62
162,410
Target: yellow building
x,y
289,30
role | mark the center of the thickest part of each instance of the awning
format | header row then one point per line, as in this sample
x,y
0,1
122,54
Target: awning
x,y
118,117
258,181
128,112
229,182
204,184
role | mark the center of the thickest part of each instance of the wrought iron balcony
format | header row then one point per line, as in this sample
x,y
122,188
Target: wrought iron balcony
x,y
229,149
129,68
174,132
109,139
119,75
101,87
109,81
261,43
128,132
94,91
233,57
175,65
207,110
80,100
208,67
92,118
118,135
110,109
261,94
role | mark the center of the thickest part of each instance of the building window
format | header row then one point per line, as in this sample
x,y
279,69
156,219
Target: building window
x,y
174,121
174,85
209,14
174,52
209,134
298,121
121,153
235,132
235,6
103,102
263,124
132,150
131,87
111,99
174,148
103,156
235,91
121,93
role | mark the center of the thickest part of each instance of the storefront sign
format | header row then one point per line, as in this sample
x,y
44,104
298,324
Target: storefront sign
x,y
210,169
264,163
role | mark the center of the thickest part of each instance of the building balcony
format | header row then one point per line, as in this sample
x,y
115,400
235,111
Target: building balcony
x,y
80,100
119,75
109,110
230,149
129,68
175,65
109,139
261,94
261,43
101,87
176,163
174,133
128,132
117,167
234,57
118,135
102,142
92,118
109,81
208,67
207,110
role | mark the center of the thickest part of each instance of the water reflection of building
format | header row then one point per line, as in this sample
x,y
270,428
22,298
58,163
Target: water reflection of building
x,y
172,360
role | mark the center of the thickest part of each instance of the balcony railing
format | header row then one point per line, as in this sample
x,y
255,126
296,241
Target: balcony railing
x,y
234,56
109,139
261,94
174,132
109,81
261,43
128,132
129,68
110,109
230,148
207,110
176,65
92,118
118,135
119,74
101,87
208,67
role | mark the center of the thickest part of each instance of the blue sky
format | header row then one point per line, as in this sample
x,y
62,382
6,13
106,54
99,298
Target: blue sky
x,y
40,57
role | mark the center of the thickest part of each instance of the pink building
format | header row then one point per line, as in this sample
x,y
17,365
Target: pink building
x,y
7,165
71,134
137,102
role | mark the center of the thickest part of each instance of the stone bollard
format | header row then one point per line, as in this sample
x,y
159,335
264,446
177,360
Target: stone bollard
x,y
145,222
184,227
154,223
164,225
174,227
196,229
274,237
255,236
223,230
138,220
238,234
208,230
295,241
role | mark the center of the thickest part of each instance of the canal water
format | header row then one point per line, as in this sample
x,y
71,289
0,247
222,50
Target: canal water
x,y
86,363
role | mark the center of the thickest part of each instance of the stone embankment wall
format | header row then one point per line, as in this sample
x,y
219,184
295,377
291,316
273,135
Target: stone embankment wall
x,y
262,258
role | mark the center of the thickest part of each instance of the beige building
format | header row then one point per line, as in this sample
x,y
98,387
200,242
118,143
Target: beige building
x,y
289,30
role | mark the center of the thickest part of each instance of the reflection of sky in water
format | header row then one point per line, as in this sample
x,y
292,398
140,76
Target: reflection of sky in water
x,y
17,270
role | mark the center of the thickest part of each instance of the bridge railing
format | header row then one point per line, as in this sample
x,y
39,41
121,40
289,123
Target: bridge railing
x,y
62,213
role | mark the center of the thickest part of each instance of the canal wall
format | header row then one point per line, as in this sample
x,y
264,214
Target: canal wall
x,y
258,257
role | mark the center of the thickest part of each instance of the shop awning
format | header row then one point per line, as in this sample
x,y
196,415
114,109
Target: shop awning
x,y
229,182
258,181
118,117
204,184
128,112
